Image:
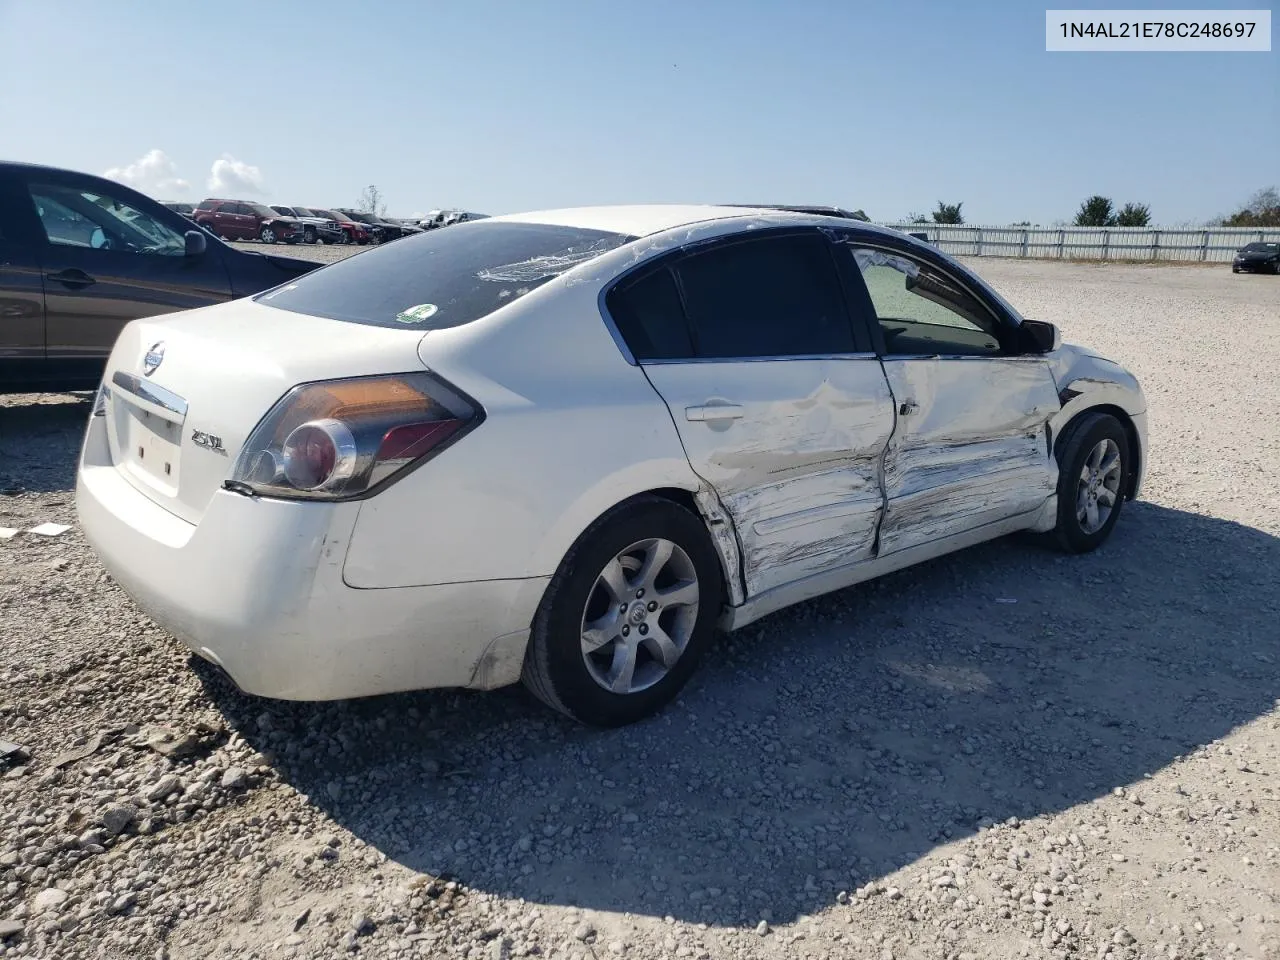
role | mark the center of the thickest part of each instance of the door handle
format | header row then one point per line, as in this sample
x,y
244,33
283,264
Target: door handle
x,y
907,408
75,279
714,411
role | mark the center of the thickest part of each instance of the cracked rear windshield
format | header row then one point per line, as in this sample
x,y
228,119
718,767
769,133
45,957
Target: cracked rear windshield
x,y
443,278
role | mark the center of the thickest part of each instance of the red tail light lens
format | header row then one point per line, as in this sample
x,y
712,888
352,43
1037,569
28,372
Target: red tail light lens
x,y
319,455
345,438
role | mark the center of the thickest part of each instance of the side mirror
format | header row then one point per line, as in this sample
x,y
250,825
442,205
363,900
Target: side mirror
x,y
1039,336
196,244
97,239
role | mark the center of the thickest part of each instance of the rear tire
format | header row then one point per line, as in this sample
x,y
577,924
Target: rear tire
x,y
1095,467
627,616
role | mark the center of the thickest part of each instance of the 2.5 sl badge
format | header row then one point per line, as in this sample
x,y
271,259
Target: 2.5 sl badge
x,y
207,440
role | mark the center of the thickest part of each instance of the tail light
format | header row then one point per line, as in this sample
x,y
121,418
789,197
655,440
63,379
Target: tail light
x,y
340,439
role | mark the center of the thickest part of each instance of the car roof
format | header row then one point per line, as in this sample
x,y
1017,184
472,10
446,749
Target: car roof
x,y
643,220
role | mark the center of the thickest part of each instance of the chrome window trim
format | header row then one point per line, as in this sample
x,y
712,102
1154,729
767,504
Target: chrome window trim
x,y
151,393
781,358
955,356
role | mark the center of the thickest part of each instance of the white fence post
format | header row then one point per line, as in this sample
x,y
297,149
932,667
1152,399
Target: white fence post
x,y
1026,239
1204,247
1155,245
1106,243
1062,240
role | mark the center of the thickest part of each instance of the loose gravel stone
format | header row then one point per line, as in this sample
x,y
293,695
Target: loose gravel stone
x,y
163,787
49,899
117,818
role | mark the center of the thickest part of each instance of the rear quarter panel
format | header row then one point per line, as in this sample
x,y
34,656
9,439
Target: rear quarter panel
x,y
571,429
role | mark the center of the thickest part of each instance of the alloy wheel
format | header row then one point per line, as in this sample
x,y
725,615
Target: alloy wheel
x,y
640,616
1099,486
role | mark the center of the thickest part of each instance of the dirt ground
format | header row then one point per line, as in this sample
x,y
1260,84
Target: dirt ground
x,y
1002,753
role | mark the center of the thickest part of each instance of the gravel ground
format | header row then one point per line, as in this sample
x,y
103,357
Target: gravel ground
x,y
1003,753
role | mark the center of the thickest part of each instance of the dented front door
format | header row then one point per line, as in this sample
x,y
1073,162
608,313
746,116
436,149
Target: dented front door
x,y
792,448
971,445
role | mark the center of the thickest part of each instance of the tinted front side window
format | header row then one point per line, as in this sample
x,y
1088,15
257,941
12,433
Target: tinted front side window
x,y
768,297
443,278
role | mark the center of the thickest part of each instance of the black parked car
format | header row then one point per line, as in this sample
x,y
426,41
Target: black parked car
x,y
1259,257
81,256
383,229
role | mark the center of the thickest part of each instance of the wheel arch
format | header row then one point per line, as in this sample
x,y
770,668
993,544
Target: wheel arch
x,y
691,494
1071,423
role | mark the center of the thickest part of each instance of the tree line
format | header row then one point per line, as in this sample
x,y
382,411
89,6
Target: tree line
x,y
1260,210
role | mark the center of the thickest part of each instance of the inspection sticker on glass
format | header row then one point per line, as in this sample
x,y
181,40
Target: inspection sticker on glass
x,y
422,311
1157,31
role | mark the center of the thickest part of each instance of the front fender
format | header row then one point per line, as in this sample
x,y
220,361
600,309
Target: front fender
x,y
1085,381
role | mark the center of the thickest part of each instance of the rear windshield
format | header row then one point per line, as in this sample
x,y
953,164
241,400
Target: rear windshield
x,y
443,278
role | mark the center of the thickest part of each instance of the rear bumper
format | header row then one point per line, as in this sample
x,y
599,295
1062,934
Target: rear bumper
x,y
257,588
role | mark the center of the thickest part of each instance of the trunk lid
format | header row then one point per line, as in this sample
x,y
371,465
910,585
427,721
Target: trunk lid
x,y
186,390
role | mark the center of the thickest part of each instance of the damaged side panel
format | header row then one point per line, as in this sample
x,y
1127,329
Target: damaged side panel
x,y
723,539
792,450
970,447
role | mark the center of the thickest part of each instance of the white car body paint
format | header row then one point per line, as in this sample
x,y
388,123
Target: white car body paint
x,y
434,581
970,450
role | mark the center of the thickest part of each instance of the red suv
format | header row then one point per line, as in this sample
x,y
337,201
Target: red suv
x,y
242,220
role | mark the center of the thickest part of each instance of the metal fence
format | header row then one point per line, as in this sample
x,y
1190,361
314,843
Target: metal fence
x,y
1214,244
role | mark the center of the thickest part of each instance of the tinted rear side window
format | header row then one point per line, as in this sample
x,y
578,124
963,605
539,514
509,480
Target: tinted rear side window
x,y
767,297
651,319
443,278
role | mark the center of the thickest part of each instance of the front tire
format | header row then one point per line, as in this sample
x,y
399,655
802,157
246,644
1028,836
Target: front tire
x,y
1094,473
627,616
267,235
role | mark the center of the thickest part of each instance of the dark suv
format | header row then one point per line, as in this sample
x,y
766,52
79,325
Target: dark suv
x,y
243,220
383,229
354,230
81,256
315,228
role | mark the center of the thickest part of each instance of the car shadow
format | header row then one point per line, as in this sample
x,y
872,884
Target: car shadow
x,y
825,746
39,438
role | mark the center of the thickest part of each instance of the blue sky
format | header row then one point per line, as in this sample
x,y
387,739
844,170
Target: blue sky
x,y
502,106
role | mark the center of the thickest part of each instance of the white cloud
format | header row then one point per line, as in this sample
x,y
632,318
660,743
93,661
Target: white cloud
x,y
154,174
234,177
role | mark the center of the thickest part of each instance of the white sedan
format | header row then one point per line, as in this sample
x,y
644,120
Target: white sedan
x,y
565,446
